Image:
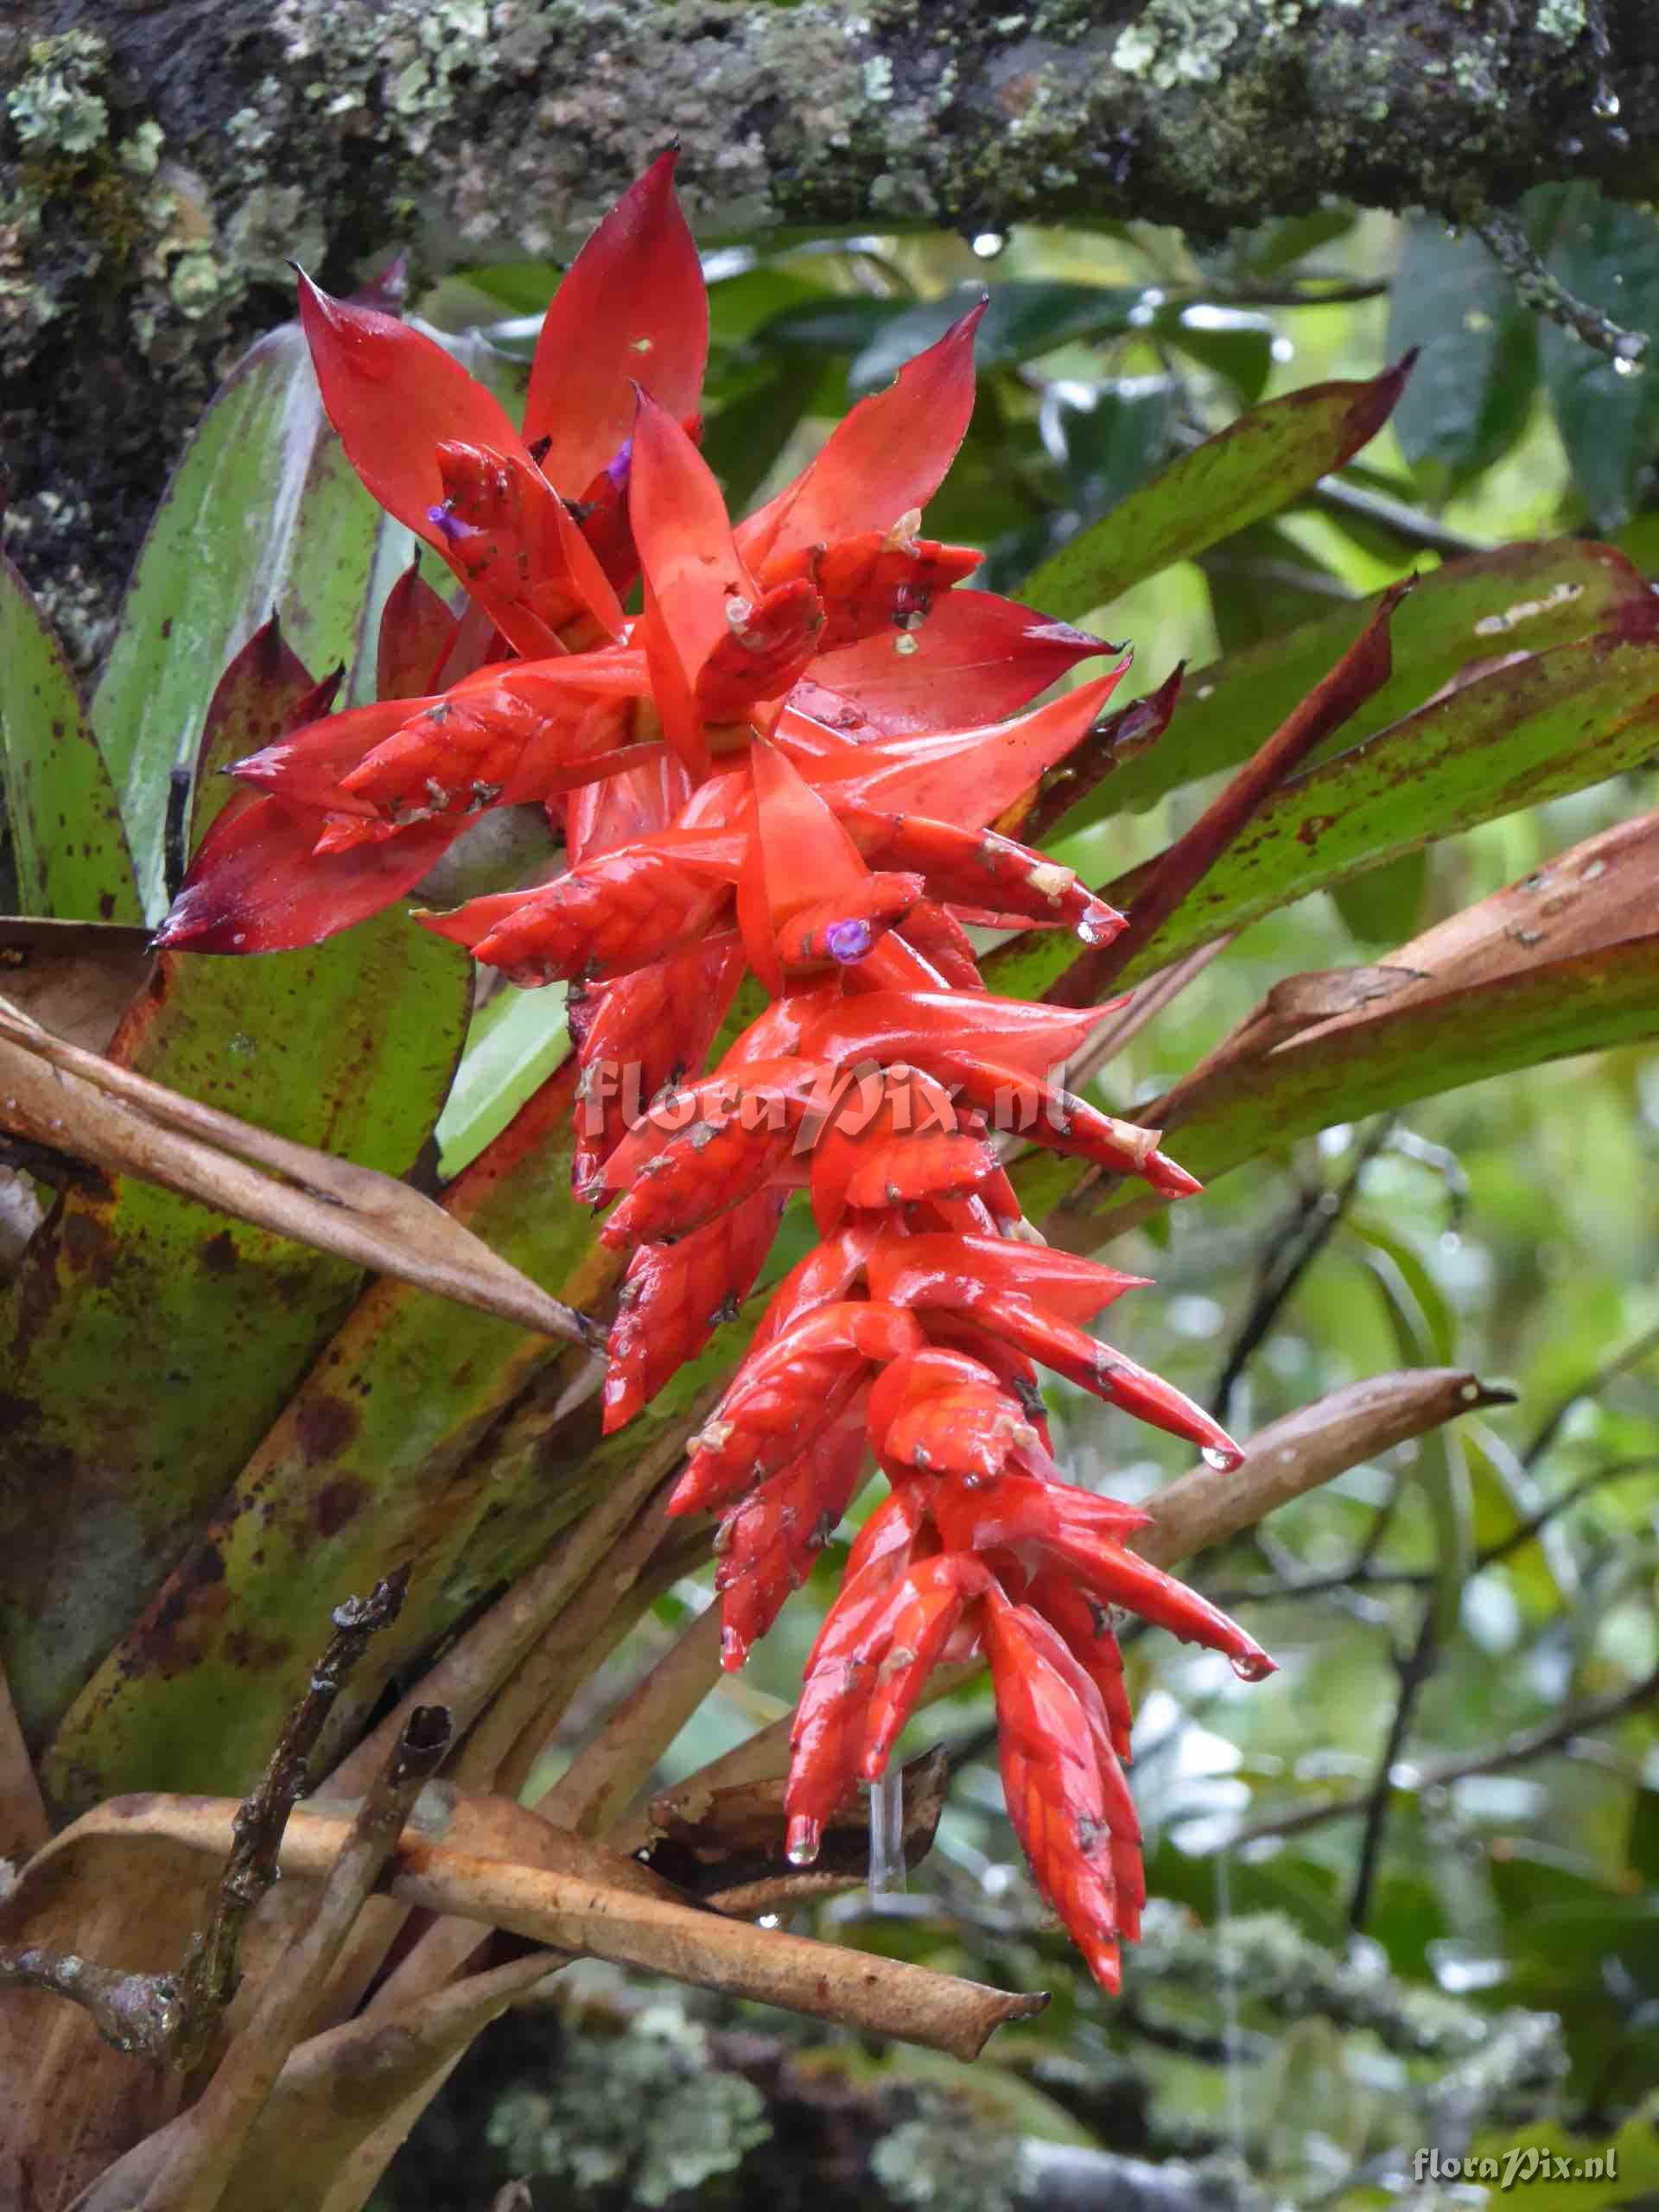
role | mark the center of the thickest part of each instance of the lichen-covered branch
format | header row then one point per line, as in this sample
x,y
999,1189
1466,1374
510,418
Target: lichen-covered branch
x,y
160,163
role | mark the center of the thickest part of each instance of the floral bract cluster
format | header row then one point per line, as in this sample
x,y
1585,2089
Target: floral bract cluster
x,y
788,763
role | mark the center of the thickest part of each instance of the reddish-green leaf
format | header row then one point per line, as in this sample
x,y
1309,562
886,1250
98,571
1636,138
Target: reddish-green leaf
x,y
1252,468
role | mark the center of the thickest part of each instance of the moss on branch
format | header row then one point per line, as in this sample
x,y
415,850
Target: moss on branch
x,y
159,164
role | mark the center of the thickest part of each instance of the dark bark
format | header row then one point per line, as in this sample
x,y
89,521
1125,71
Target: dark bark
x,y
160,159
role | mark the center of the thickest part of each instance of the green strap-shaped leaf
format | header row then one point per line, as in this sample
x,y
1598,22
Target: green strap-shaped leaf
x,y
375,1458
64,823
1554,722
1520,599
1254,467
146,1342
263,514
1581,1004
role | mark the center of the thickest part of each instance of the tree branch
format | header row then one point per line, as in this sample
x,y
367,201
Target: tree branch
x,y
162,160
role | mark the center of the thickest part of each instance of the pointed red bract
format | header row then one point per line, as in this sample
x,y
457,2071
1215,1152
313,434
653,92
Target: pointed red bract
x,y
258,885
975,660
395,396
676,1296
417,631
766,1545
631,309
884,459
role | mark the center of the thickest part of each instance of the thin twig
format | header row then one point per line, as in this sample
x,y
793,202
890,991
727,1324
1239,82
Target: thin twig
x,y
1631,1356
196,2175
210,1973
1287,1260
138,2013
1536,287
1361,1574
1516,1750
169,2019
1409,524
1415,1666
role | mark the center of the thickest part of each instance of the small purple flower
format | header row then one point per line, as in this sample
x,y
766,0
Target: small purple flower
x,y
449,526
849,940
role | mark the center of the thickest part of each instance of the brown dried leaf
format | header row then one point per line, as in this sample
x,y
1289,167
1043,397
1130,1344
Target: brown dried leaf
x,y
342,2105
60,1095
602,1904
726,1845
76,979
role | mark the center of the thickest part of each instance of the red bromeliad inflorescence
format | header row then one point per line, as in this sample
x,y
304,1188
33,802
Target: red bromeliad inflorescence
x,y
789,764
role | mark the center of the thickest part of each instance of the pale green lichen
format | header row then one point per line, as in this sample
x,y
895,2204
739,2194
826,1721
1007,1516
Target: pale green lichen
x,y
140,154
645,2111
195,282
940,2158
53,109
1563,21
1177,42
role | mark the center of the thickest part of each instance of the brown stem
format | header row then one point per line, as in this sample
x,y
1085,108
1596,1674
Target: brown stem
x,y
210,1973
196,2174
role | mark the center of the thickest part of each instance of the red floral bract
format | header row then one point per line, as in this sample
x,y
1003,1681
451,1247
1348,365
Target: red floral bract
x,y
788,764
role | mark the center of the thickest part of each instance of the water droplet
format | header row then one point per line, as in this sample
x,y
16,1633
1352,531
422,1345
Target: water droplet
x,y
887,1873
640,345
906,642
1626,365
1605,105
989,244
1221,1459
1252,1666
770,1920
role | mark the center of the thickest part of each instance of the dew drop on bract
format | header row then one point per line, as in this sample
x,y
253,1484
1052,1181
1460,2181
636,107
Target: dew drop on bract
x,y
1219,1457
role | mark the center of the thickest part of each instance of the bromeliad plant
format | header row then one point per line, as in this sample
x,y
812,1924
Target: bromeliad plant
x,y
794,790
789,766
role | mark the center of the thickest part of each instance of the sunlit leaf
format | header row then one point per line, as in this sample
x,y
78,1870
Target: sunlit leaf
x,y
263,514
